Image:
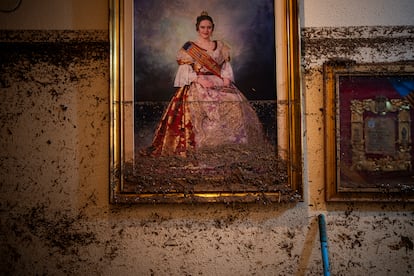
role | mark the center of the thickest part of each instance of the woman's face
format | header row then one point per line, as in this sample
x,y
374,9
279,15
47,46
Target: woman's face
x,y
205,29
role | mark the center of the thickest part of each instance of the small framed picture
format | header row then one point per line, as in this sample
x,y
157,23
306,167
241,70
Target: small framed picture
x,y
369,129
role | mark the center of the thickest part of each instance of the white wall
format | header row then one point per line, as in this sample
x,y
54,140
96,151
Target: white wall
x,y
93,14
333,13
56,15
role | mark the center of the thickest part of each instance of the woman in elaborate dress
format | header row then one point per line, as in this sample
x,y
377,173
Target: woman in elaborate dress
x,y
207,110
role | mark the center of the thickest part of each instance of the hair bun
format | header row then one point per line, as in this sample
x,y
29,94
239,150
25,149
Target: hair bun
x,y
203,16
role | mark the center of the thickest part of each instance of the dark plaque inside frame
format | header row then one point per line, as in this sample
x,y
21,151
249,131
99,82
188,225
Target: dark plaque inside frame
x,y
369,128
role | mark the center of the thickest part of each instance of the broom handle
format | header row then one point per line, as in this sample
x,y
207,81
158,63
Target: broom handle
x,y
324,244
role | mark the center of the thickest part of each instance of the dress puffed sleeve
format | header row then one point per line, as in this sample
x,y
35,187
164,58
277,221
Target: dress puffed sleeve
x,y
185,72
226,69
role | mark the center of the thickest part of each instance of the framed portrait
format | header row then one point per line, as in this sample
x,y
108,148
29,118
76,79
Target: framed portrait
x,y
369,127
205,101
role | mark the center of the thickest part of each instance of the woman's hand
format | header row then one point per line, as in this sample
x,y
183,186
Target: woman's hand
x,y
204,82
226,82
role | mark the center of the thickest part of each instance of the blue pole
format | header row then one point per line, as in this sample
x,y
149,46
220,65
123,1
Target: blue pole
x,y
324,244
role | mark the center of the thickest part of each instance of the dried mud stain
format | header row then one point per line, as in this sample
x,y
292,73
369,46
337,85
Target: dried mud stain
x,y
233,168
60,234
405,242
61,231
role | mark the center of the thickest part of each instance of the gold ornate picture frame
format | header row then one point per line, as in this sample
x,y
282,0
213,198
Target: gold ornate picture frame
x,y
237,175
368,130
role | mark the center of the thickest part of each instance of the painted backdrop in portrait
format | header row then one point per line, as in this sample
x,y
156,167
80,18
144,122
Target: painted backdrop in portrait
x,y
162,27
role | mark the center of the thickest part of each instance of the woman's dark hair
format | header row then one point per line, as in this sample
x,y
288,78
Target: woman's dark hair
x,y
203,16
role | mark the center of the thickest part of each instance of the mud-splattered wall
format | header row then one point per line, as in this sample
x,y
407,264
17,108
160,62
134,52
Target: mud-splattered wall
x,y
367,228
373,44
54,173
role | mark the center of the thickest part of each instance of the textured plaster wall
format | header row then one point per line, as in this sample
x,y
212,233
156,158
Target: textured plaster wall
x,y
55,218
338,13
54,15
